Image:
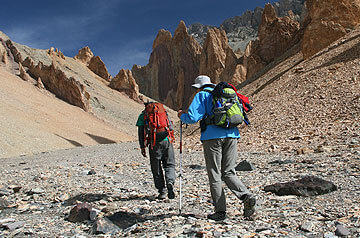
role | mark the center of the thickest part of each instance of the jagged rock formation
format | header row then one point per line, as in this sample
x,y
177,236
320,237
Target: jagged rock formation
x,y
240,30
61,77
173,65
25,76
218,61
163,78
276,35
49,70
125,82
327,22
94,63
84,55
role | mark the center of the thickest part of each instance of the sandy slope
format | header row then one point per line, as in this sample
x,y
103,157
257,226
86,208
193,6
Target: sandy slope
x,y
32,121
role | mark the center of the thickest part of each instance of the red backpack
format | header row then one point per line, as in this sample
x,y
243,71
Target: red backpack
x,y
156,121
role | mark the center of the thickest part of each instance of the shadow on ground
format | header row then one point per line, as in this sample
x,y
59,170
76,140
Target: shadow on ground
x,y
75,143
85,197
125,220
100,140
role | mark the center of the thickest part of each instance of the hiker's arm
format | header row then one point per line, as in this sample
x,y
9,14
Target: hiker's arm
x,y
141,136
141,140
196,110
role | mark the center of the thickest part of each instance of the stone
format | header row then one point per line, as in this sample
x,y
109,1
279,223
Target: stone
x,y
104,226
91,172
36,191
14,225
80,212
330,235
307,226
341,230
244,166
307,186
3,204
304,151
6,220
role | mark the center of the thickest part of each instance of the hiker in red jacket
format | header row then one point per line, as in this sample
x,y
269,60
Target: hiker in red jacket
x,y
161,151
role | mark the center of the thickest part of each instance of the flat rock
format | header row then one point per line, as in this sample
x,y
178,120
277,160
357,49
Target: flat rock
x,y
244,166
104,226
307,186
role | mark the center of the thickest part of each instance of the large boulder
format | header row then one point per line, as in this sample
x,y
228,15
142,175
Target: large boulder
x,y
328,20
307,186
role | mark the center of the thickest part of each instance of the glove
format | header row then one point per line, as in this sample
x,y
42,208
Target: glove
x,y
143,151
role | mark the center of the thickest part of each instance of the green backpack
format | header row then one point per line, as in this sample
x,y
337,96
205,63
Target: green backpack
x,y
227,109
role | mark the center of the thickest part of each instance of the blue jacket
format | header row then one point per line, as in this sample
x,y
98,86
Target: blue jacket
x,y
200,107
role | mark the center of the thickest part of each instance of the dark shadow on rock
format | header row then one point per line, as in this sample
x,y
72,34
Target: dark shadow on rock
x,y
85,197
125,220
346,56
333,47
196,167
100,140
75,143
134,197
276,77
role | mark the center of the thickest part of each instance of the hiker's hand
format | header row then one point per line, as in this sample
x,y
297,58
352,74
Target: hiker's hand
x,y
143,151
180,112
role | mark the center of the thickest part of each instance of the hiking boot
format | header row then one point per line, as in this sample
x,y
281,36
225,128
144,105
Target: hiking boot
x,y
217,216
161,196
249,206
171,194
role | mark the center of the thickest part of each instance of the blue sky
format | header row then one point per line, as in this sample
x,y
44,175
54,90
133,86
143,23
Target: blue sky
x,y
121,32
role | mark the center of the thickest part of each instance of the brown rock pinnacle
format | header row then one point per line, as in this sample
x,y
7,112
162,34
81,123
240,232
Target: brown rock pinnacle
x,y
84,55
125,82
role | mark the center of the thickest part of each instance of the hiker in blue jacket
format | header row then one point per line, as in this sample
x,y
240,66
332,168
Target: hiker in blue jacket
x,y
220,151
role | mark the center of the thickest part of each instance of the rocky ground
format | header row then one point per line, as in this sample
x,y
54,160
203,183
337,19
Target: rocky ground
x,y
38,192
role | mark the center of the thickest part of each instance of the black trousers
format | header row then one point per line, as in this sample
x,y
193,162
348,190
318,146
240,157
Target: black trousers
x,y
162,161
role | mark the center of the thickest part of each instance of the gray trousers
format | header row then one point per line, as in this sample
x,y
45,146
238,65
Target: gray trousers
x,y
221,157
162,158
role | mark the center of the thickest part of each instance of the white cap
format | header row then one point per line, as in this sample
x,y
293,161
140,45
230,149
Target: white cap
x,y
202,80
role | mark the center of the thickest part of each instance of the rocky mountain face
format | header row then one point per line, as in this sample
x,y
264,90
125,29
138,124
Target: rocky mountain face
x,y
276,35
175,62
328,21
82,81
240,30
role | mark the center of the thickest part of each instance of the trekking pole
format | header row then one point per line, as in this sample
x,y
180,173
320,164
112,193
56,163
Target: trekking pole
x,y
180,174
